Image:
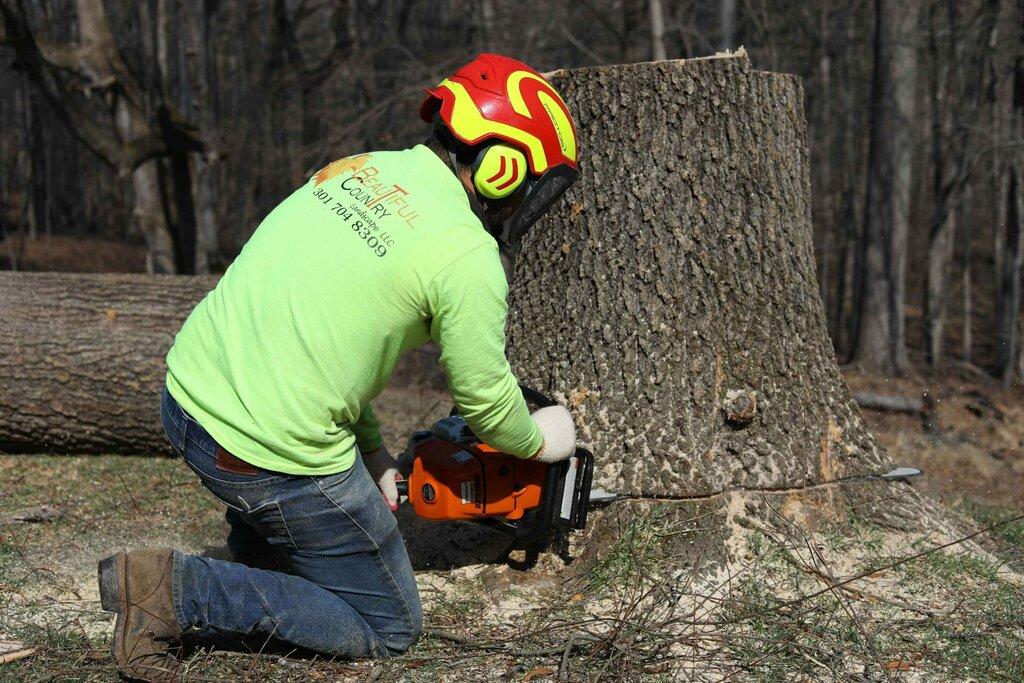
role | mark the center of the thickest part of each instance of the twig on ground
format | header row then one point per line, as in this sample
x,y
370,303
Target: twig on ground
x,y
903,561
454,637
563,666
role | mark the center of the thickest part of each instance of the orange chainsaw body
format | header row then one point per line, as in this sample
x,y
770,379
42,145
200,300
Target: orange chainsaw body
x,y
470,480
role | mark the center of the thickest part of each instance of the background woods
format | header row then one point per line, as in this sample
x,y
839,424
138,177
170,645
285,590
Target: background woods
x,y
173,127
734,226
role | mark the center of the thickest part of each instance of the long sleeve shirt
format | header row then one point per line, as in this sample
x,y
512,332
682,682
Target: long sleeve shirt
x,y
375,255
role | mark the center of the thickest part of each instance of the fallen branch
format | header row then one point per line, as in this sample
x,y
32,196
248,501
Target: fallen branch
x,y
453,637
888,403
923,406
13,650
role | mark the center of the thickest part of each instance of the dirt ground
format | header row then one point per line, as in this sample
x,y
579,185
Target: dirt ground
x,y
837,602
71,254
976,450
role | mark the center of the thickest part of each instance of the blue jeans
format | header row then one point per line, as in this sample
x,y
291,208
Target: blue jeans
x,y
350,590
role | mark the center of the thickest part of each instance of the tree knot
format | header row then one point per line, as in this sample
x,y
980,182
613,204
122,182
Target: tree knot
x,y
740,406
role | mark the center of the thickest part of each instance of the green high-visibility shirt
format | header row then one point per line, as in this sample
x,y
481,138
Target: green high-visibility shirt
x,y
377,254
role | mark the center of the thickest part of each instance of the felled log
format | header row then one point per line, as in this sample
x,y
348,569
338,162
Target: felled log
x,y
82,359
923,407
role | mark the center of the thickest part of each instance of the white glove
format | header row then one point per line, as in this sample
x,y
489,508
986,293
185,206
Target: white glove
x,y
383,470
559,432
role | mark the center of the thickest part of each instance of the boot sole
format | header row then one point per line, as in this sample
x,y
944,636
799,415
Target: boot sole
x,y
111,580
113,595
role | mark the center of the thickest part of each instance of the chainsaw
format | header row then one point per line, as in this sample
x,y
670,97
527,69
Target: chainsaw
x,y
451,475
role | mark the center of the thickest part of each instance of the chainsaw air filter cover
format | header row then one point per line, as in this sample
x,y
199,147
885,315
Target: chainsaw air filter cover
x,y
455,477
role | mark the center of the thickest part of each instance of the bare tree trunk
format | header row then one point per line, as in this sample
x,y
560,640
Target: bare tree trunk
x,y
839,324
693,353
940,256
943,219
881,343
29,126
147,202
904,80
204,171
855,154
966,281
204,196
633,47
1008,298
727,24
162,48
824,187
654,9
486,25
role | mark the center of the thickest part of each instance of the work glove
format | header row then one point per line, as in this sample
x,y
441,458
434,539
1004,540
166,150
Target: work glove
x,y
559,432
384,471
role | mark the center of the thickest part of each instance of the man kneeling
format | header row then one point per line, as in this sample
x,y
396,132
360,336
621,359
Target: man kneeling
x,y
270,379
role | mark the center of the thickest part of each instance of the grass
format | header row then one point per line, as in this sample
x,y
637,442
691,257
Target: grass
x,y
824,639
947,615
636,610
985,515
47,570
632,550
1008,539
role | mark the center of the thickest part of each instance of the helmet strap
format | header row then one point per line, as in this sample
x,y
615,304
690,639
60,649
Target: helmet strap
x,y
480,210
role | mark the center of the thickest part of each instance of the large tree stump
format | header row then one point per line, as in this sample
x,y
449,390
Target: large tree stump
x,y
671,299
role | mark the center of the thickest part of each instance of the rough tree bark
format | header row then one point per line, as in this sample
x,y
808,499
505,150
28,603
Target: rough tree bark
x,y
671,299
82,359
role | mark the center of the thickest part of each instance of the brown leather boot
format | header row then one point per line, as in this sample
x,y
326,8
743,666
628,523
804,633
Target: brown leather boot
x,y
137,585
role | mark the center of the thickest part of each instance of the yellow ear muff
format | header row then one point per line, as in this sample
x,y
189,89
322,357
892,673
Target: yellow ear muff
x,y
498,171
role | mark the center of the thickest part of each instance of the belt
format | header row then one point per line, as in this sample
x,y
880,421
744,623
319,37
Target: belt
x,y
226,462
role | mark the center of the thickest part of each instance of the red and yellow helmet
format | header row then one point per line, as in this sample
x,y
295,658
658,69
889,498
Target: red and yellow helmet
x,y
500,98
498,102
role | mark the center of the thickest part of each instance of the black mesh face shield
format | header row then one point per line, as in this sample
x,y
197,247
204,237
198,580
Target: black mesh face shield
x,y
541,193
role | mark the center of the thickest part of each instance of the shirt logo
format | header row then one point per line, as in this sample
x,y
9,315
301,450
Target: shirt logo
x,y
332,169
